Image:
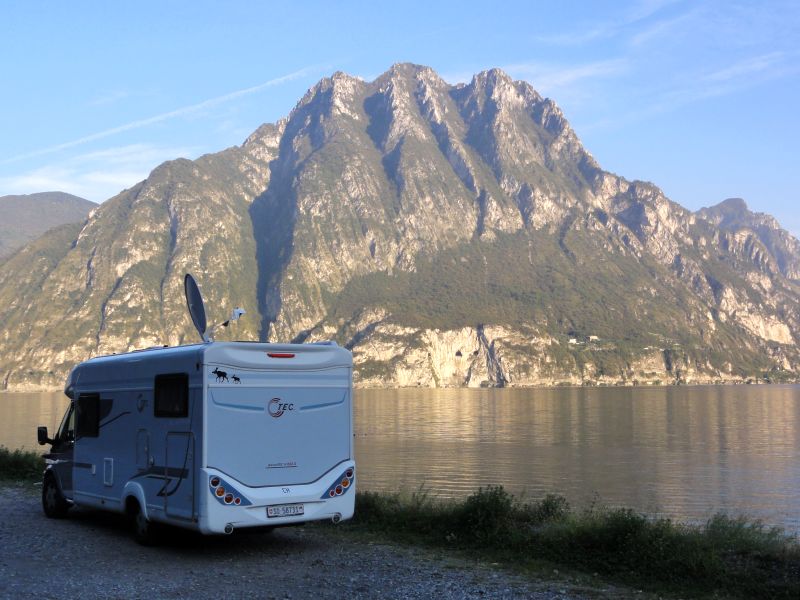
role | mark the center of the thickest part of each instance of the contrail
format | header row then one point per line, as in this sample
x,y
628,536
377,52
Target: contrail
x,y
162,117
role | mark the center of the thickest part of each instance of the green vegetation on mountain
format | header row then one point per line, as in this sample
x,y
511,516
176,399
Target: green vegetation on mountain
x,y
602,294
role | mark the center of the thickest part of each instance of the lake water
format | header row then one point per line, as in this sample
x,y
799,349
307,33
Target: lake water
x,y
683,452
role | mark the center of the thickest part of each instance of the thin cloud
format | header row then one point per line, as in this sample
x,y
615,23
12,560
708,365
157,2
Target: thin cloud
x,y
550,77
661,28
180,112
741,75
577,38
96,175
109,98
608,29
736,77
762,64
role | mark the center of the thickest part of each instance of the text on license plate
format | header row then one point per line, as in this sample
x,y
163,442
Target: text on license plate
x,y
285,510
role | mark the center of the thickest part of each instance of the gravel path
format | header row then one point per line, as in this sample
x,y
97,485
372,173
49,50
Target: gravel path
x,y
92,555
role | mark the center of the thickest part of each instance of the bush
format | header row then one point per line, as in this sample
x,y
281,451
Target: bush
x,y
20,464
486,515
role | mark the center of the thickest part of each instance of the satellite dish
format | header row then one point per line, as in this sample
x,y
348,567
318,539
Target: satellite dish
x,y
194,300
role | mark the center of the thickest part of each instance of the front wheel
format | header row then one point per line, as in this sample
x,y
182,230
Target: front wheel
x,y
53,502
144,531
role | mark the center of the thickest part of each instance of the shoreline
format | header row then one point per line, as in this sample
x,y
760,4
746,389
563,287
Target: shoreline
x,y
544,386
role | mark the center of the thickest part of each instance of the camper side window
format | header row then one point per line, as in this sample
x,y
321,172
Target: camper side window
x,y
172,395
87,416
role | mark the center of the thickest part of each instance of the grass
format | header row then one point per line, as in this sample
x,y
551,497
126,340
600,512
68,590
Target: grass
x,y
732,557
20,465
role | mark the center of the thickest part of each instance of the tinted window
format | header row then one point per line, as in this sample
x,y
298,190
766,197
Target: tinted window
x,y
66,433
172,395
88,416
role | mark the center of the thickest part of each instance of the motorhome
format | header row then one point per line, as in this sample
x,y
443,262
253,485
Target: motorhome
x,y
214,436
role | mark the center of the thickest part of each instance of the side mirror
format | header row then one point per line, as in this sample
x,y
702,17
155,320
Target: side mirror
x,y
41,436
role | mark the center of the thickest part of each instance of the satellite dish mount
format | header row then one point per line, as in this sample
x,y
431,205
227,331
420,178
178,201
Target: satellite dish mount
x,y
197,310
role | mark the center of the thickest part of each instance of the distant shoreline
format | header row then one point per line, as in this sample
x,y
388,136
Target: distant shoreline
x,y
543,386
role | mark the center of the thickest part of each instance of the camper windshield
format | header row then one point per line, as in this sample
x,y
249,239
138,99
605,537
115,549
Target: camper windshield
x,y
66,432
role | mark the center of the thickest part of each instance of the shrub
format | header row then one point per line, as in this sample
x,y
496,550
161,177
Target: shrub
x,y
20,464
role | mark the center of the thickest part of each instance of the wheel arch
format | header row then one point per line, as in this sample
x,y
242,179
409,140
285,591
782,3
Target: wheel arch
x,y
133,491
50,473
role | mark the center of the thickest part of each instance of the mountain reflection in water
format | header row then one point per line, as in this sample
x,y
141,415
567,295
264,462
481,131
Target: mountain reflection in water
x,y
683,452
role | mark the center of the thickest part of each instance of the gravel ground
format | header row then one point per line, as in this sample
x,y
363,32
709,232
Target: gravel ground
x,y
91,554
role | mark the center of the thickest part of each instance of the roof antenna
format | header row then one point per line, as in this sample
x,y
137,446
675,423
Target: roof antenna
x,y
194,300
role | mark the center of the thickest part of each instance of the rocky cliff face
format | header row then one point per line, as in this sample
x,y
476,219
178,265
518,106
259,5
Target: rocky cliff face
x,y
448,235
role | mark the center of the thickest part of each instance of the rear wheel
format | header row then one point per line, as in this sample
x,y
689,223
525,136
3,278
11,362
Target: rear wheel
x,y
53,502
144,531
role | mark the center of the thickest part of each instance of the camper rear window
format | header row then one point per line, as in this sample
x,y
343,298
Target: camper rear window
x,y
172,395
88,416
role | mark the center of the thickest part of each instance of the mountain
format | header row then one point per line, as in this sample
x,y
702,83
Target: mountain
x,y
448,235
733,215
27,217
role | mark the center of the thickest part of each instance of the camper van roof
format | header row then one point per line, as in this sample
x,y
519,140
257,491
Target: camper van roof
x,y
114,368
170,349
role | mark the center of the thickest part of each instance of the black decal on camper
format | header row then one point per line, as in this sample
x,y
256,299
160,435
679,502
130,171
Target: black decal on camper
x,y
159,472
122,414
221,375
236,379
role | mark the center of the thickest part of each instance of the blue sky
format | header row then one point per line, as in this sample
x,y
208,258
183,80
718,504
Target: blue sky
x,y
700,98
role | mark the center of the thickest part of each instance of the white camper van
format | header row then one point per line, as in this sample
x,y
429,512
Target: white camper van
x,y
213,437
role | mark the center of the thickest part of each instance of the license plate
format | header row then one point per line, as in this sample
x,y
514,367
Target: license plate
x,y
285,510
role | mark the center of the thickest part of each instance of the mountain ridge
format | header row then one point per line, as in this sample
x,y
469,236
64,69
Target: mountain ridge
x,y
448,235
27,216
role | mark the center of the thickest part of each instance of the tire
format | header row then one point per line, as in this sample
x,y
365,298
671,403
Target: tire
x,y
53,502
145,532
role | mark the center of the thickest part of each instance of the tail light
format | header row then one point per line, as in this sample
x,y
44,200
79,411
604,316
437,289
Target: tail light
x,y
341,485
225,493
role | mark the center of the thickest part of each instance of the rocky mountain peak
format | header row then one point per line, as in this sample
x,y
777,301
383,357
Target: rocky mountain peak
x,y
268,134
734,205
402,71
733,215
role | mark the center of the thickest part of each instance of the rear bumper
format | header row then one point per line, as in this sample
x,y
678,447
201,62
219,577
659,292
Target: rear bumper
x,y
215,515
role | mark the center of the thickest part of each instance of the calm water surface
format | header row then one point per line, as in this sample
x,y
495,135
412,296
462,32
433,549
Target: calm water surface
x,y
685,452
